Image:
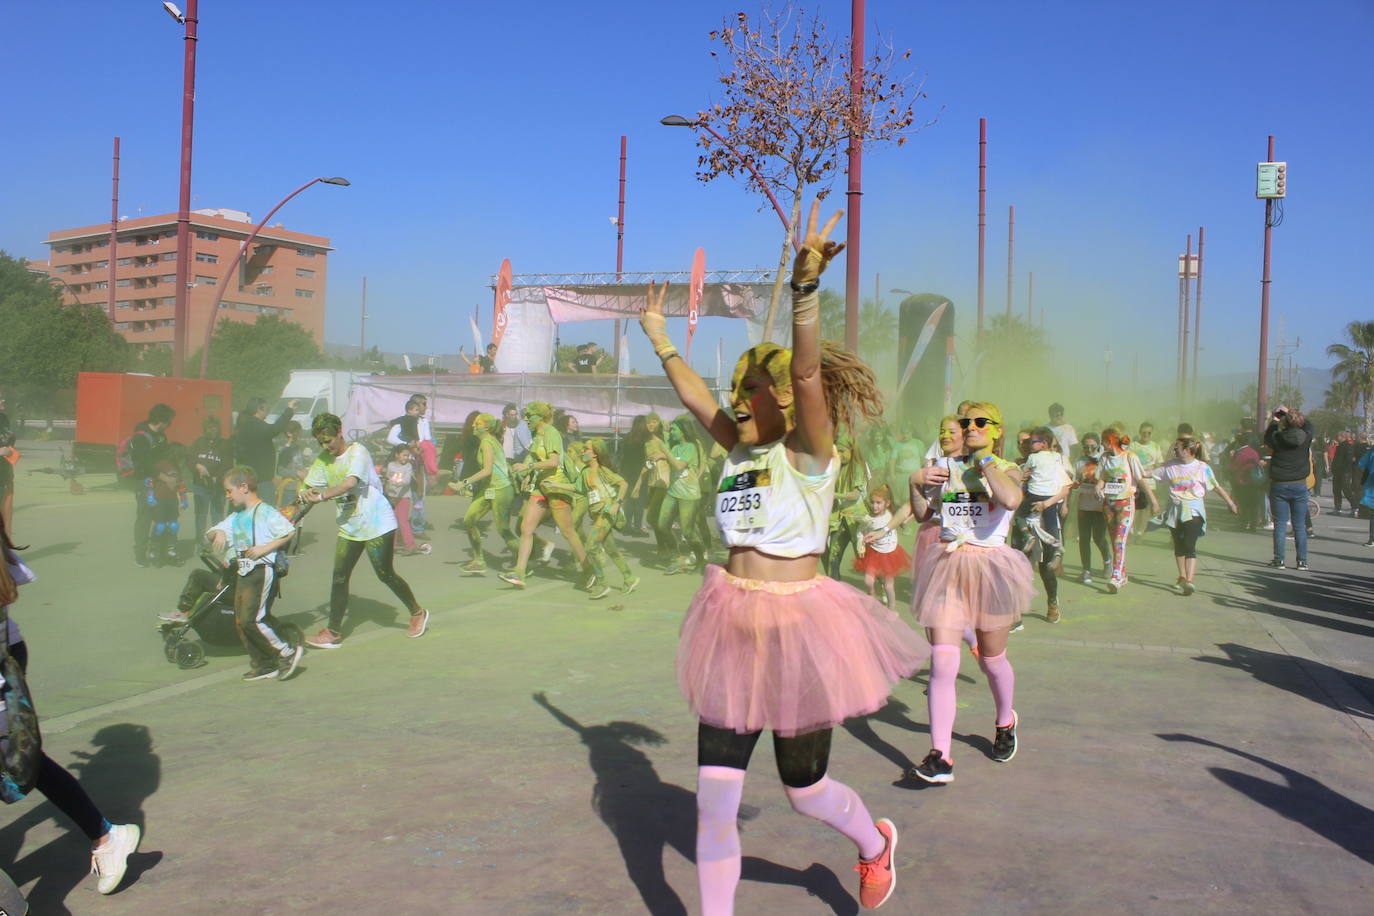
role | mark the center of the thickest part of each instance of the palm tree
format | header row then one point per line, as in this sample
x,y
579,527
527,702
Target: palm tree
x,y
1355,367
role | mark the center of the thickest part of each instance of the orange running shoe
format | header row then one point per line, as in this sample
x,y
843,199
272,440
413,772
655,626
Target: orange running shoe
x,y
877,878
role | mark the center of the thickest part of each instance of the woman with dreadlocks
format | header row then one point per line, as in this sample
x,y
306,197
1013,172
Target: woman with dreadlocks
x,y
767,642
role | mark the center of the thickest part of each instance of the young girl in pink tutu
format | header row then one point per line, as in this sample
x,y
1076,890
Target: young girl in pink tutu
x,y
882,556
767,642
971,578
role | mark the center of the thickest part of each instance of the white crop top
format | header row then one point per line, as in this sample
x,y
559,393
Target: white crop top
x,y
765,503
968,513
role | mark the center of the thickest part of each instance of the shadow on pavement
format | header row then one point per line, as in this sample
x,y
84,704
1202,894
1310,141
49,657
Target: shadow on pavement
x,y
1305,597
49,550
118,776
645,814
1283,671
1300,798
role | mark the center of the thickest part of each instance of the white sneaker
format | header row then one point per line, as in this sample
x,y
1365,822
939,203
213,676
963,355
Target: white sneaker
x,y
546,555
110,860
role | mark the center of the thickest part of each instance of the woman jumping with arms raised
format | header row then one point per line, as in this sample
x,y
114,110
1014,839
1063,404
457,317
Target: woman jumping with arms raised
x,y
767,643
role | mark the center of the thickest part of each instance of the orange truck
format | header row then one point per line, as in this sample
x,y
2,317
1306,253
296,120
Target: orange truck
x,y
109,404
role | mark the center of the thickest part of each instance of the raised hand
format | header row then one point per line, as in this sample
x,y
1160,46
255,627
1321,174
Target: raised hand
x,y
817,250
651,317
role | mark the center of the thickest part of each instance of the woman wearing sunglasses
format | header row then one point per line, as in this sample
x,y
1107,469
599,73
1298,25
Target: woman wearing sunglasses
x,y
767,642
972,579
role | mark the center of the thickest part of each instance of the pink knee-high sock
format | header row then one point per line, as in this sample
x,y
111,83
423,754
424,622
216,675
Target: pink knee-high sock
x,y
839,806
944,669
719,790
1002,680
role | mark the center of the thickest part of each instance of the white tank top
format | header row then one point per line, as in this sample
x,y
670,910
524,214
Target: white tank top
x,y
765,503
968,513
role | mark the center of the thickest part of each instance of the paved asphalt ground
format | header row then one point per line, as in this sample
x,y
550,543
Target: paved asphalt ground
x,y
531,754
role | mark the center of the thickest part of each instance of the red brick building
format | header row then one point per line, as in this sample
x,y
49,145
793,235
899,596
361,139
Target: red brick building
x,y
283,275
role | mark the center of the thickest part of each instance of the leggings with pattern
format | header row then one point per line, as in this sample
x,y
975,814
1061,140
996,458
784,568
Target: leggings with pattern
x,y
380,553
1120,514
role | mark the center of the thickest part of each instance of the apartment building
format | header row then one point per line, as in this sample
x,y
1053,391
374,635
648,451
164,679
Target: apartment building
x,y
284,274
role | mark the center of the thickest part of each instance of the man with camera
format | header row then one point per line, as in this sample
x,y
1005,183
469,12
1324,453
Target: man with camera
x,y
1289,438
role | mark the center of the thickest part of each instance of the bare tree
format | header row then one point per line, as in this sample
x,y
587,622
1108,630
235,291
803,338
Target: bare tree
x,y
786,109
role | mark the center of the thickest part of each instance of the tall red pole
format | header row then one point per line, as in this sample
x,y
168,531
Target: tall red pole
x,y
620,245
855,190
982,215
181,312
1263,388
1011,248
1187,320
1197,312
1178,339
114,230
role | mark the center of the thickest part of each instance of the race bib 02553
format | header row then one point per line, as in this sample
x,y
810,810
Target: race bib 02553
x,y
742,501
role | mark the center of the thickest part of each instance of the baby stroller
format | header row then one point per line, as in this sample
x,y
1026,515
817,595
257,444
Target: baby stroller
x,y
210,620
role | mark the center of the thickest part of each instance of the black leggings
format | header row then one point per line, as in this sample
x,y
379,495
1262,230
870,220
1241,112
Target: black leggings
x,y
60,787
381,552
1092,529
802,760
1185,536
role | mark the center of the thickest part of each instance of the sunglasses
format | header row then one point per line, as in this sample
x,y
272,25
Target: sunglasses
x,y
1036,441
980,422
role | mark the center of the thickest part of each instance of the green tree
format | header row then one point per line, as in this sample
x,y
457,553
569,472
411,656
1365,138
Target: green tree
x,y
1354,367
45,343
258,358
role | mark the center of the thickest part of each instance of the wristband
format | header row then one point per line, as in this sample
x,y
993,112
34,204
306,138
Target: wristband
x,y
804,288
667,356
664,350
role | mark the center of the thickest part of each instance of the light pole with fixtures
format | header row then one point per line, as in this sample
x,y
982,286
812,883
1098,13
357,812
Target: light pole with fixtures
x,y
181,310
238,258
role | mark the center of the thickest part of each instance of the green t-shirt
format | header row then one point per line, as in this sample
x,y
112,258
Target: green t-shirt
x,y
686,483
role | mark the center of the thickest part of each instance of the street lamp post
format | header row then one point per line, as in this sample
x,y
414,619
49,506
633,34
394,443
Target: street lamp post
x,y
238,258
188,110
680,121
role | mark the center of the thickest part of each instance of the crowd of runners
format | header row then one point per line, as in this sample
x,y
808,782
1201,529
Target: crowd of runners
x,y
760,499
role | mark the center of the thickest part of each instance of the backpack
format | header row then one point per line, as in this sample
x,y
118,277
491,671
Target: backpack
x,y
124,459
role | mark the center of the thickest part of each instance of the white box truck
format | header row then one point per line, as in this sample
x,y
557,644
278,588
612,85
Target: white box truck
x,y
318,391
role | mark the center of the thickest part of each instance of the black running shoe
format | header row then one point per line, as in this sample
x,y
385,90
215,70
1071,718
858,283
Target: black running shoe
x,y
1004,742
1276,563
935,768
1302,564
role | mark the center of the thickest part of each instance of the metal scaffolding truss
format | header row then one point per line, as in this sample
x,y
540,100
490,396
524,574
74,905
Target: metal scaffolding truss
x,y
641,278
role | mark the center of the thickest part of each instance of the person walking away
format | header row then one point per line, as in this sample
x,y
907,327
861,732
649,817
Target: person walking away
x,y
1342,470
253,441
138,465
345,472
168,497
111,844
1188,478
1289,438
211,456
256,533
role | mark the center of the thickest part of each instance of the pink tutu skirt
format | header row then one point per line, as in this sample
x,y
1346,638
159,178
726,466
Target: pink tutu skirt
x,y
892,564
986,588
927,536
793,657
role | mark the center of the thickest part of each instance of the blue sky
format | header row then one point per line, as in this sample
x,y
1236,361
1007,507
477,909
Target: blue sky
x,y
477,132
